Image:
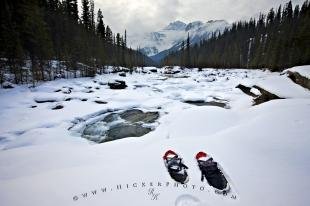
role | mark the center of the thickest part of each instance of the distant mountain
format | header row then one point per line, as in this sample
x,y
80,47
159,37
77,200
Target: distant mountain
x,y
158,44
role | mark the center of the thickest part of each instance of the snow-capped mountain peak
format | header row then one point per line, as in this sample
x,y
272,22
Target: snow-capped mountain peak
x,y
176,25
158,44
193,25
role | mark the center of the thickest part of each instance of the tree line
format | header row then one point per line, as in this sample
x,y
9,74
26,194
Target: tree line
x,y
278,40
33,32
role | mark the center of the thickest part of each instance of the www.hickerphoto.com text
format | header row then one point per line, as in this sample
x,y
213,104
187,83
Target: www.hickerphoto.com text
x,y
149,187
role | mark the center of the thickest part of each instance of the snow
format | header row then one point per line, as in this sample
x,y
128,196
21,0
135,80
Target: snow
x,y
302,70
263,150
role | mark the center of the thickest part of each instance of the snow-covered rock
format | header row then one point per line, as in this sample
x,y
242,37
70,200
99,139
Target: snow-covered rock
x,y
7,85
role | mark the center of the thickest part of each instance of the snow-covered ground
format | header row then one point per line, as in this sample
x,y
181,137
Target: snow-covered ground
x,y
264,150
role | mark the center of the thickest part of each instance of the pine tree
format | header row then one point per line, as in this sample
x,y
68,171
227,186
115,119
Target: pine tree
x,y
182,55
92,15
72,9
109,35
118,39
86,16
125,40
100,25
188,63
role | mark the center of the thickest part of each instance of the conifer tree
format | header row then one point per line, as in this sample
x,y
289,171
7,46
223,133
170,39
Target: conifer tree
x,y
92,15
86,16
72,9
100,25
188,51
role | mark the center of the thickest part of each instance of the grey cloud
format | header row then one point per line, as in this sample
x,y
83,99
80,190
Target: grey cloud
x,y
139,16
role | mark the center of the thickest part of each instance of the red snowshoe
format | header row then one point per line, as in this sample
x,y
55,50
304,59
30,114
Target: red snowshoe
x,y
211,171
176,167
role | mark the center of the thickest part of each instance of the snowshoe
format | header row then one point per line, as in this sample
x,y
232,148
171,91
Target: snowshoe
x,y
175,166
212,173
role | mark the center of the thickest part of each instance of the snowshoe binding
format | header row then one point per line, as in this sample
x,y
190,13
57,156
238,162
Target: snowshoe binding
x,y
175,166
211,171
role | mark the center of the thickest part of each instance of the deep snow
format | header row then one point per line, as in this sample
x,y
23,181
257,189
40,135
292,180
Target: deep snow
x,y
264,149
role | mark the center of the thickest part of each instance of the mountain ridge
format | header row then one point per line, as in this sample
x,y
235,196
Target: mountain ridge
x,y
160,43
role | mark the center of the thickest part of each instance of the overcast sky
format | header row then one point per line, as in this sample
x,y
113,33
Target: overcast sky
x,y
151,15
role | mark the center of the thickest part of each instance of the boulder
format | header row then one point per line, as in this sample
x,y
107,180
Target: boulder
x,y
246,90
100,102
122,130
57,107
7,85
110,118
119,125
117,84
210,103
122,74
298,79
45,100
136,115
265,96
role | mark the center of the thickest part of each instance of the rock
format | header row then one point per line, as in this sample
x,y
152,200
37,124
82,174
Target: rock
x,y
7,85
153,70
110,118
89,91
44,100
121,131
136,115
117,85
298,79
96,130
264,97
100,102
210,79
102,83
141,85
84,100
57,107
172,72
67,92
115,125
33,106
123,74
181,77
58,90
169,70
246,90
211,103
